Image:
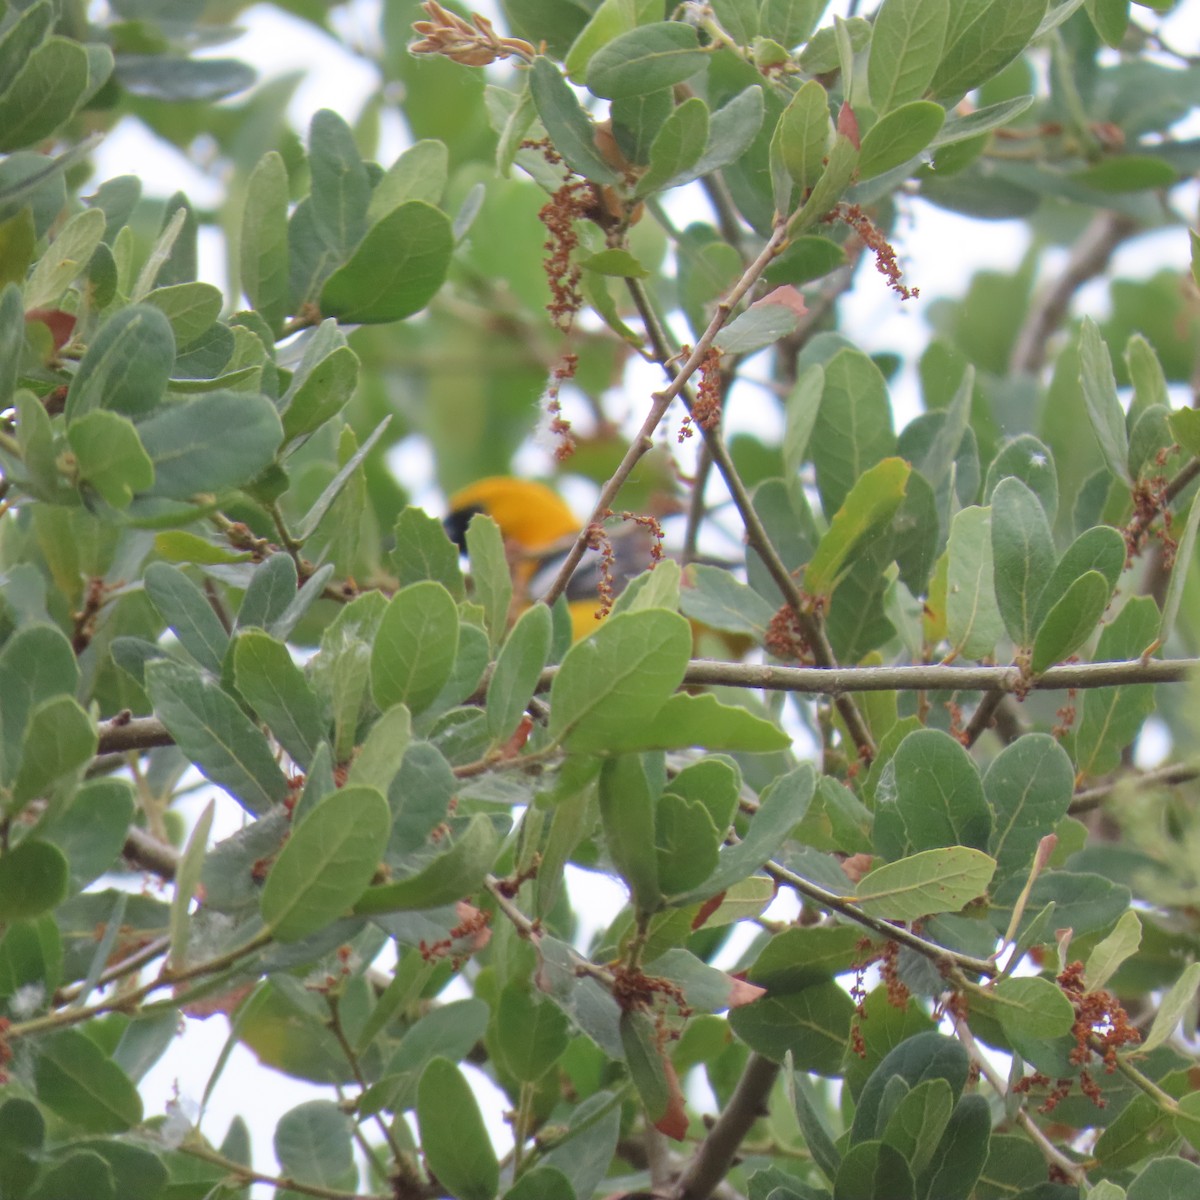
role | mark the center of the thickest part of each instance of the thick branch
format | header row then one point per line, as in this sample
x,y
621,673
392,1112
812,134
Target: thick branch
x,y
833,681
124,733
1089,257
715,1154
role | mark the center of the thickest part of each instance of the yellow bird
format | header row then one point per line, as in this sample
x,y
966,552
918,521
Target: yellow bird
x,y
538,528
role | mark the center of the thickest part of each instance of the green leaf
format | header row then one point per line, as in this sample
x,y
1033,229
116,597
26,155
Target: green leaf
x,y
1165,1179
188,612
334,488
211,729
781,807
933,881
326,864
420,173
423,550
322,384
1111,717
645,59
518,669
677,148
569,127
611,18
33,879
52,81
829,189
1184,552
617,263
1033,1008
731,130
531,1034
1127,173
1030,461
916,1124
1100,397
973,621
490,574
618,678
813,1023
1108,954
126,367
314,1144
687,843
65,260
272,684
1171,1009
627,808
872,501
713,597
1071,621
1111,19
872,1170
984,36
686,720
262,240
59,739
191,308
906,47
91,829
272,588
1029,785
1023,556
341,188
939,797
210,444
1101,548
789,22
758,326
110,456
853,430
396,269
805,132
447,878
453,1136
982,120
959,1157
415,647
77,1081
36,664
187,882
899,137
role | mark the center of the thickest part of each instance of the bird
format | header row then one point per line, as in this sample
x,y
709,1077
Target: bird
x,y
539,529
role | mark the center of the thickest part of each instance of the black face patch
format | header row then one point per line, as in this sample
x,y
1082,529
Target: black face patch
x,y
455,524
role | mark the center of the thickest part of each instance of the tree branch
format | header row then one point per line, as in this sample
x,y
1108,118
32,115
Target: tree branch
x,y
661,401
1090,798
831,901
715,1154
832,681
1089,257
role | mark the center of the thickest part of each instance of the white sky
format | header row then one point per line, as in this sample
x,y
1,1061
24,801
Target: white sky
x,y
940,251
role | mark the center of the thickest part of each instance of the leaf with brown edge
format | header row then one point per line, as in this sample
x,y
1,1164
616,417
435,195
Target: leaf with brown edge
x,y
673,1123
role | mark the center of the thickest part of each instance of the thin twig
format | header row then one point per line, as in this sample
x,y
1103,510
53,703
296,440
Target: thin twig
x,y
756,534
1052,1154
1088,799
661,401
982,717
282,1183
949,959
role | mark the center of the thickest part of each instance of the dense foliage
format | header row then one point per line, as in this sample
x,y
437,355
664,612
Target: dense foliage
x,y
899,676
